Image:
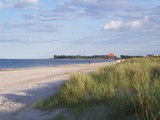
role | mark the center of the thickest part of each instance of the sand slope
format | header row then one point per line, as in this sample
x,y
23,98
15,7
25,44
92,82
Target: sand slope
x,y
20,89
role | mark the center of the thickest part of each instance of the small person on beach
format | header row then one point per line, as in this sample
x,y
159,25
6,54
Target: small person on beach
x,y
89,63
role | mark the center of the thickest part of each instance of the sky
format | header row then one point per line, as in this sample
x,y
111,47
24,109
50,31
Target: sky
x,y
44,28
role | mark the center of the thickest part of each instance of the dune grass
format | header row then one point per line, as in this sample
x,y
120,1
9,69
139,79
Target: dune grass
x,y
128,90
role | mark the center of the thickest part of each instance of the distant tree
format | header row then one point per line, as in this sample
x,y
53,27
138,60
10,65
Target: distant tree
x,y
128,56
80,57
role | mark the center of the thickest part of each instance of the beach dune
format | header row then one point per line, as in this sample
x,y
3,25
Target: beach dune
x,y
20,89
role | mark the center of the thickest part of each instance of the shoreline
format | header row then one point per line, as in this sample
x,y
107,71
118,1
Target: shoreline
x,y
45,66
21,88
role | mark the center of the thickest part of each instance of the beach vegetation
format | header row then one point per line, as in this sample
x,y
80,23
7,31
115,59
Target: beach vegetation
x,y
125,91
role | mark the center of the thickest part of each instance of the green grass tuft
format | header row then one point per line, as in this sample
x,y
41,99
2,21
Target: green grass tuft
x,y
130,90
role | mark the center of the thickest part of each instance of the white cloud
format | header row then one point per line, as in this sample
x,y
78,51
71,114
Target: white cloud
x,y
1,5
18,3
146,18
116,25
24,3
134,24
28,1
87,1
113,25
7,4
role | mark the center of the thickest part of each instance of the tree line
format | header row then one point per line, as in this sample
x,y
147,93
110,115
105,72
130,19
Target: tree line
x,y
81,57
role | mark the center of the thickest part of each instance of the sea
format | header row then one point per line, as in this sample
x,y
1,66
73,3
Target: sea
x,y
29,63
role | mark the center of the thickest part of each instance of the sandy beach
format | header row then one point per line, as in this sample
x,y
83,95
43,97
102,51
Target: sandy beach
x,y
20,89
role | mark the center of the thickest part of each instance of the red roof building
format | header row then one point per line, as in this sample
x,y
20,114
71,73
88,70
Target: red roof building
x,y
111,55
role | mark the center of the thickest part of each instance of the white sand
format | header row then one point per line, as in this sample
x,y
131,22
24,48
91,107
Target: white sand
x,y
20,89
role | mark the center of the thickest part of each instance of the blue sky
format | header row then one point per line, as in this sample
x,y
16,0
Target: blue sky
x,y
43,28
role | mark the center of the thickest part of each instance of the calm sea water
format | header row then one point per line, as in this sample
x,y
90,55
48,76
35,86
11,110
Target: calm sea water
x,y
27,63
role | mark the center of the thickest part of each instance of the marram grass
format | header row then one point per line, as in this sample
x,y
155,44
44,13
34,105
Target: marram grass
x,y
131,90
